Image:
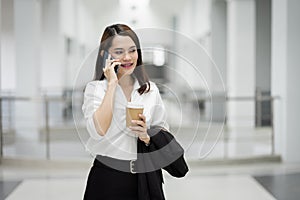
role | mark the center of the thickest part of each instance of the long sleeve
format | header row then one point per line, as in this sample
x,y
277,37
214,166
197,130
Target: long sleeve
x,y
93,96
159,114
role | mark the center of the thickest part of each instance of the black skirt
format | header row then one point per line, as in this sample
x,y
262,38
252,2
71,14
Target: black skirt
x,y
105,183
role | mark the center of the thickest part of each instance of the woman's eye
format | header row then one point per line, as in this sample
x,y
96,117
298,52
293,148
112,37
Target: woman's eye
x,y
132,50
118,52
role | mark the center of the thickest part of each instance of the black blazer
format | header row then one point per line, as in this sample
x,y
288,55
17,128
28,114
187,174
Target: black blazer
x,y
164,152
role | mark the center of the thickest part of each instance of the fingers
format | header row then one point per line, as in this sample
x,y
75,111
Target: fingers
x,y
108,61
110,64
109,69
140,132
138,128
113,65
138,123
143,118
142,136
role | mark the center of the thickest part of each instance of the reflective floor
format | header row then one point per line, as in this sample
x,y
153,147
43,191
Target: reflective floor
x,y
61,180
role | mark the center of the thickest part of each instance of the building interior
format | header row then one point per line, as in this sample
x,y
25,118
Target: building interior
x,y
227,72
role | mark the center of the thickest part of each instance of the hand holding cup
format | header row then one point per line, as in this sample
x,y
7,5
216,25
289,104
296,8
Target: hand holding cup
x,y
136,121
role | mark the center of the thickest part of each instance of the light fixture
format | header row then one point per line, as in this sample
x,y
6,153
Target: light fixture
x,y
134,3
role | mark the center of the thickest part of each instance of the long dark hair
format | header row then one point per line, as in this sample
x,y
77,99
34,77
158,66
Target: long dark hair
x,y
106,42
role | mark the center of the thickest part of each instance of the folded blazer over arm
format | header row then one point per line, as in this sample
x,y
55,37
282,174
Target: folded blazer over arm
x,y
164,152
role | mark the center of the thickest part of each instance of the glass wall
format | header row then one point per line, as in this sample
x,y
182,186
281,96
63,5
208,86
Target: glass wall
x,y
201,54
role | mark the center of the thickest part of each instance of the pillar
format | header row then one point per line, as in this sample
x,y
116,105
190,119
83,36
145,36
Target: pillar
x,y
285,78
240,61
27,26
1,129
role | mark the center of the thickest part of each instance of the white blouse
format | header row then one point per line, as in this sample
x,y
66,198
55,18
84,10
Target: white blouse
x,y
119,142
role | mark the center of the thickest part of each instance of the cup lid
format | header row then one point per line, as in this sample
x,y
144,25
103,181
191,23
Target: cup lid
x,y
134,105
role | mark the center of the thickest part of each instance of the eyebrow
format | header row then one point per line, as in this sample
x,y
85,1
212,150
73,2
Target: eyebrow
x,y
123,49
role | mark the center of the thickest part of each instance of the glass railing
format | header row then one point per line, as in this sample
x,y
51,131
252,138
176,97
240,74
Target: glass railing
x,y
43,128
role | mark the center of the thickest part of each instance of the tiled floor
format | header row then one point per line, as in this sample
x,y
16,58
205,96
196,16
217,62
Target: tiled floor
x,y
7,187
56,189
234,187
215,187
283,186
66,180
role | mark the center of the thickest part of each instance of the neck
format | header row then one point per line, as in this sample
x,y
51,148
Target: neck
x,y
126,81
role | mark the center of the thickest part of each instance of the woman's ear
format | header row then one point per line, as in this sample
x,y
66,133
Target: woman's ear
x,y
102,52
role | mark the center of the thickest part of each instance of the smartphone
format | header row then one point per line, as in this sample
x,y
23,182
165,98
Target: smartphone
x,y
105,56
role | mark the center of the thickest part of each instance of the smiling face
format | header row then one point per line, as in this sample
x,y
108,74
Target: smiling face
x,y
124,49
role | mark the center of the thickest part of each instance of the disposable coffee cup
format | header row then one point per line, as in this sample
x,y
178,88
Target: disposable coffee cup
x,y
132,112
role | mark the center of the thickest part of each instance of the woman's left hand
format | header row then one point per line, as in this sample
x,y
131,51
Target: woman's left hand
x,y
139,127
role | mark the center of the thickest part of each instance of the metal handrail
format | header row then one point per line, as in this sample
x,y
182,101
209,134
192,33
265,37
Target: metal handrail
x,y
45,99
59,98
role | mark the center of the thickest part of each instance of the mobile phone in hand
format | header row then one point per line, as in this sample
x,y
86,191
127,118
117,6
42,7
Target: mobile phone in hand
x,y
105,57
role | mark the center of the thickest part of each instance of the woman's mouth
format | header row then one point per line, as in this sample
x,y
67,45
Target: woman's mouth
x,y
126,65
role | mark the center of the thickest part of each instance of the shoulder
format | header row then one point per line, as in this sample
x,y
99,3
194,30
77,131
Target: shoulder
x,y
92,84
153,86
96,85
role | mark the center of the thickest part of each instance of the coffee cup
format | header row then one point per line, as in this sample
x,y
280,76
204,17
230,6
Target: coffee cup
x,y
132,112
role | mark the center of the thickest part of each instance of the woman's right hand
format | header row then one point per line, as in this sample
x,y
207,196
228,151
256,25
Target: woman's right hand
x,y
109,71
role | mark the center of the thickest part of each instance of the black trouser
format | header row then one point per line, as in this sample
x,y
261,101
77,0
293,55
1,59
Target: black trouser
x,y
105,183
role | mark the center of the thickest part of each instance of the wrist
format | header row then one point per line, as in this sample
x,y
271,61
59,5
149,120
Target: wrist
x,y
147,141
112,83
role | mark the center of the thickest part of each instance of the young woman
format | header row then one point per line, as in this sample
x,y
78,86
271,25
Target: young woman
x,y
119,79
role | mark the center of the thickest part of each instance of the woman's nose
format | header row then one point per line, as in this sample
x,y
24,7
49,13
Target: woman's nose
x,y
126,56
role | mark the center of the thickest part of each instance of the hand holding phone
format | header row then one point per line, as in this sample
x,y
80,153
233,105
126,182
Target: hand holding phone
x,y
105,57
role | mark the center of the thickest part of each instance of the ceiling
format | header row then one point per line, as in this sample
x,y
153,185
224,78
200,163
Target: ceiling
x,y
167,7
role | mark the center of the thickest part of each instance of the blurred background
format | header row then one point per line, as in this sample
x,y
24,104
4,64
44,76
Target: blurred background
x,y
227,71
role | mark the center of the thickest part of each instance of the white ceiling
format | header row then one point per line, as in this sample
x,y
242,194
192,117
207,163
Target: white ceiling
x,y
166,7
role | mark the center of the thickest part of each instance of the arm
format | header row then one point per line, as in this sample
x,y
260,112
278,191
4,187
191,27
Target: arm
x,y
102,121
158,115
103,115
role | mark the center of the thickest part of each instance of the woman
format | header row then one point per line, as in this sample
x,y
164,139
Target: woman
x,y
112,175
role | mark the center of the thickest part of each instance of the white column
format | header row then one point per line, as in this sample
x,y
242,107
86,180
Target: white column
x,y
240,61
1,133
8,68
69,28
218,40
219,56
278,72
0,40
27,46
293,82
285,77
263,45
52,67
